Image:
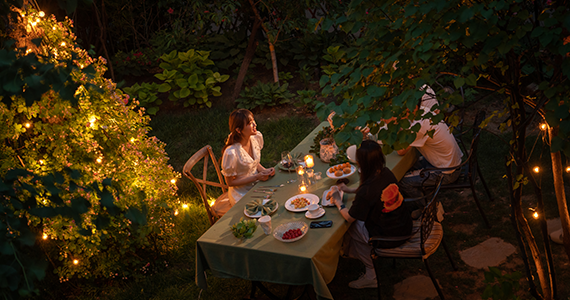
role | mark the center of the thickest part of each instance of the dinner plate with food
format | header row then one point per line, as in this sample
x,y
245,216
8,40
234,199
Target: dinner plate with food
x,y
328,194
260,207
341,171
299,203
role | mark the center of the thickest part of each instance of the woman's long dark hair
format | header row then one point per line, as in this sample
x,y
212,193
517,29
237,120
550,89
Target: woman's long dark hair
x,y
370,159
238,119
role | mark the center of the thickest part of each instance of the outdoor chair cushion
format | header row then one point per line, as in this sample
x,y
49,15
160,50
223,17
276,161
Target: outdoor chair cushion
x,y
411,248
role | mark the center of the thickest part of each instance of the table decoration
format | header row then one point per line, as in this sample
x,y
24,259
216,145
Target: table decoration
x,y
260,207
244,228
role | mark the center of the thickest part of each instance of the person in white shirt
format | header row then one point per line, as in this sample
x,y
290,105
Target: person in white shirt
x,y
439,151
241,156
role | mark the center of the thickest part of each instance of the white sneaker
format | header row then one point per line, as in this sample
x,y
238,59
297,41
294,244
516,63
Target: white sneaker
x,y
364,283
556,236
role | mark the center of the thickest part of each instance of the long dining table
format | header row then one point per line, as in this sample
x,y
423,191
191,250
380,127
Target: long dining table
x,y
311,260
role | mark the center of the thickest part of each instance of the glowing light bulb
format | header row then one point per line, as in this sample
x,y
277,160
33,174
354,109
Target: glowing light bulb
x,y
536,169
42,14
176,212
543,126
45,236
28,51
184,205
27,125
99,160
568,169
535,215
132,140
75,261
34,23
53,28
63,44
173,181
41,161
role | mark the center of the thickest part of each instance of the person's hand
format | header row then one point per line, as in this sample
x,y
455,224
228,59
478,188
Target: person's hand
x,y
262,176
341,187
271,171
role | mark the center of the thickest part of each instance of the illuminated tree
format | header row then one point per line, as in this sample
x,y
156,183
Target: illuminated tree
x,y
102,191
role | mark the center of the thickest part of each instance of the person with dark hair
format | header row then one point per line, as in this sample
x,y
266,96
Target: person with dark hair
x,y
376,210
241,156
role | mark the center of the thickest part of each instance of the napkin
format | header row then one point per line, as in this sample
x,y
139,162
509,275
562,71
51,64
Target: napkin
x,y
257,206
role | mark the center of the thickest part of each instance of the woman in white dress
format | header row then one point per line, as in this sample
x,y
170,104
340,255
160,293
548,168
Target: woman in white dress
x,y
242,154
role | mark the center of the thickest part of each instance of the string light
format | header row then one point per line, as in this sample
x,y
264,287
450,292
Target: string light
x,y
185,206
543,126
535,215
536,169
173,181
41,161
75,261
27,125
45,236
176,212
132,140
42,14
99,160
53,28
63,44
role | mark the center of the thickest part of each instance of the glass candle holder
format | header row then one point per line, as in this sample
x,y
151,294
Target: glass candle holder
x,y
310,176
303,187
309,162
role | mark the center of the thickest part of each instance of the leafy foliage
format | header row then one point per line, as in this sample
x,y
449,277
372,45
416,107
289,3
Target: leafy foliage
x,y
77,119
264,94
186,77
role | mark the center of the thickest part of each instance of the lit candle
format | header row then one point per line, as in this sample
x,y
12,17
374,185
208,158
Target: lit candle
x,y
303,187
309,161
300,170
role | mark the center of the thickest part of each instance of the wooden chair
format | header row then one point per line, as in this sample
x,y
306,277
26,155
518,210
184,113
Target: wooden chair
x,y
469,169
222,203
426,237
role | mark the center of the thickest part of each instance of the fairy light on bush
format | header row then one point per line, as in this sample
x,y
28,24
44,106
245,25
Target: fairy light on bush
x,y
42,14
28,125
536,169
99,160
45,236
173,181
535,215
543,126
176,212
185,206
75,261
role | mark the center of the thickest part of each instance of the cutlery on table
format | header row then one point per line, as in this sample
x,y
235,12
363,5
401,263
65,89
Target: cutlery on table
x,y
271,186
264,192
262,197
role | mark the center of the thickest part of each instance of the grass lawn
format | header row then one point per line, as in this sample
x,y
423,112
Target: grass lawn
x,y
172,277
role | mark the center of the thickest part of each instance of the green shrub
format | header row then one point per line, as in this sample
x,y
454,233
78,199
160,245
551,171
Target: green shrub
x,y
264,94
307,99
146,94
83,122
187,77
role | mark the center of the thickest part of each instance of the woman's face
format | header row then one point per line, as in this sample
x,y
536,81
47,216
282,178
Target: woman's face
x,y
250,128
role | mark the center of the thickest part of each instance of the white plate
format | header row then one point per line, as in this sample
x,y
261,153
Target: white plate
x,y
320,213
281,229
313,199
332,176
325,202
258,214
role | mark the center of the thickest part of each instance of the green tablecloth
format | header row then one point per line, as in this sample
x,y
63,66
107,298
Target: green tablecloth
x,y
311,260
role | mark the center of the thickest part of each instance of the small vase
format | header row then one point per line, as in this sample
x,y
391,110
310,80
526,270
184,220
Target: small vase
x,y
328,149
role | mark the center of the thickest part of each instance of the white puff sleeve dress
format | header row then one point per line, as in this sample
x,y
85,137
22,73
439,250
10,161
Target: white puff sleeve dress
x,y
237,162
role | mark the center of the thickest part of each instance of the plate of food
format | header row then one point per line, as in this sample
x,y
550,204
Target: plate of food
x,y
327,197
299,203
341,171
291,232
291,164
260,207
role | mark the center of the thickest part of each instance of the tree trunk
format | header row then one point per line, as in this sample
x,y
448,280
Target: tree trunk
x,y
102,38
560,195
251,47
274,62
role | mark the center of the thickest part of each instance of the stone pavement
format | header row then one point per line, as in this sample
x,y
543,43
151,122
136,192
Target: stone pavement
x,y
491,252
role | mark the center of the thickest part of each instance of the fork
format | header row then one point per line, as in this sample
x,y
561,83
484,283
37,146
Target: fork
x,y
270,186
